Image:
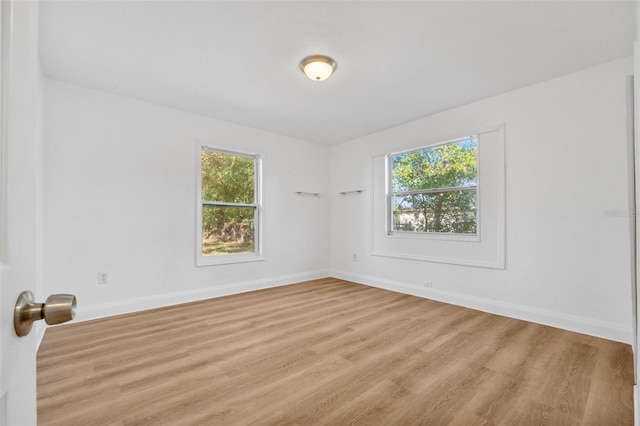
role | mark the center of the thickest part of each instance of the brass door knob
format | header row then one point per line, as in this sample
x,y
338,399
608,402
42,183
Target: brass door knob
x,y
58,308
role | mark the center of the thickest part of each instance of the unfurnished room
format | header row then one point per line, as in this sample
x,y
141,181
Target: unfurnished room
x,y
319,212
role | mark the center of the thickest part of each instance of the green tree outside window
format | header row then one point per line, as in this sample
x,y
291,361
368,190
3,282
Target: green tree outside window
x,y
228,203
435,189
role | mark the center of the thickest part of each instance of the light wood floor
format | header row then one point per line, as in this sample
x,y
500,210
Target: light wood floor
x,y
328,352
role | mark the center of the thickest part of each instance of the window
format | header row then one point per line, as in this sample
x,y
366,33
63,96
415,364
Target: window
x,y
228,207
435,189
442,202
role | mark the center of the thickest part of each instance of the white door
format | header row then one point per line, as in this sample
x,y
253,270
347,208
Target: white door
x,y
636,210
20,205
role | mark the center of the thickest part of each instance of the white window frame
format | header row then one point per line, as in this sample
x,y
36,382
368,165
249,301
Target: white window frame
x,y
255,256
490,251
450,236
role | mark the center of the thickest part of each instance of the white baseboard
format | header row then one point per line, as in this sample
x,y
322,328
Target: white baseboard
x,y
607,330
86,313
584,325
636,405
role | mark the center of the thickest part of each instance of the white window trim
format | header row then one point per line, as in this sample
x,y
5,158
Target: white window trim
x,y
256,256
444,236
427,250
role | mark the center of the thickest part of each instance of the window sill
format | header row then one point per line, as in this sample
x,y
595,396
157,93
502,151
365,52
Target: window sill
x,y
228,259
433,236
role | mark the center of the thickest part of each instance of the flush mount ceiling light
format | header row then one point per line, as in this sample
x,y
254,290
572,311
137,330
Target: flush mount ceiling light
x,y
318,67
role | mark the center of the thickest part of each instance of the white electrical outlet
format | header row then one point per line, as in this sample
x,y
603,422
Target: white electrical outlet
x,y
103,277
428,284
355,257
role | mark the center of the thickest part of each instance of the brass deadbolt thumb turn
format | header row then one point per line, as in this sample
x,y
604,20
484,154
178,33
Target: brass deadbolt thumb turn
x,y
57,309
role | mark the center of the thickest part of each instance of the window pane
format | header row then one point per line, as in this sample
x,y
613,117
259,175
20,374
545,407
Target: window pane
x,y
228,178
227,230
452,212
443,166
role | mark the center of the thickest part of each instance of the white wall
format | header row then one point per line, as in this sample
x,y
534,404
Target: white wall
x,y
567,261
120,188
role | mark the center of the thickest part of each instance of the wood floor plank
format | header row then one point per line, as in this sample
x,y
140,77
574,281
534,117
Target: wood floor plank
x,y
328,352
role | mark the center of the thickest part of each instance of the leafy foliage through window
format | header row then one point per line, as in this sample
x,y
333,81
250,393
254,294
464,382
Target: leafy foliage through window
x,y
229,202
435,189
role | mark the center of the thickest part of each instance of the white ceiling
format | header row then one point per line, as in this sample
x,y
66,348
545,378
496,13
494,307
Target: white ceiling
x,y
397,61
